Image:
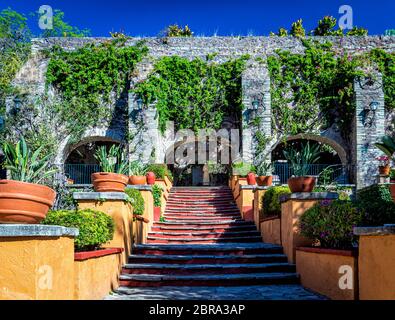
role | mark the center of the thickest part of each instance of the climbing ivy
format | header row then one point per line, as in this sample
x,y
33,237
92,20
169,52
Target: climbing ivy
x,y
311,88
194,94
88,77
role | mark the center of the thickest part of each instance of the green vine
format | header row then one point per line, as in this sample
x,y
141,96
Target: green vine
x,y
194,94
87,78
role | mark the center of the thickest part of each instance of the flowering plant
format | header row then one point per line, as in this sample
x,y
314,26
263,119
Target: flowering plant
x,y
384,160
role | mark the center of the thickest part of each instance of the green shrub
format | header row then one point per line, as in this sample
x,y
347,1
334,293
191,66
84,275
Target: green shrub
x,y
95,227
378,205
160,171
136,200
331,223
157,194
271,200
242,168
344,192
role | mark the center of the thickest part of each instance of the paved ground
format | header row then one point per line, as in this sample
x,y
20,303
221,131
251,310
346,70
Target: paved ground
x,y
269,292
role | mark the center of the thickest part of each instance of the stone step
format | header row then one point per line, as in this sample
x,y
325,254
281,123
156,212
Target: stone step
x,y
205,269
152,280
198,214
208,259
151,239
193,218
205,235
185,228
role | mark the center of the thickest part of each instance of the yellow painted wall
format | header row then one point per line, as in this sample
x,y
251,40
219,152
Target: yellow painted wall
x,y
36,268
271,231
258,194
377,267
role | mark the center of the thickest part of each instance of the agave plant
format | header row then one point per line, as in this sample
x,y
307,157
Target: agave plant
x,y
242,168
387,145
136,168
112,161
24,164
301,160
264,169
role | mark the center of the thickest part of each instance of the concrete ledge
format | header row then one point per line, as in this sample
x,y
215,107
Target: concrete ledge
x,y
387,229
253,187
100,196
309,196
140,187
36,230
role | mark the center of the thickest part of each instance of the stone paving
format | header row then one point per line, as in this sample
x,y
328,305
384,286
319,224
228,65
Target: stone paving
x,y
269,292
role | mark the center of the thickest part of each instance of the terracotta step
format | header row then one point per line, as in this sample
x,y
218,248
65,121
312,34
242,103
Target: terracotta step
x,y
153,280
206,235
223,224
208,259
205,269
170,240
200,218
181,229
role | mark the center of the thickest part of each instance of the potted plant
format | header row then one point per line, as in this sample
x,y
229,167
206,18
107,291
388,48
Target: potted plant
x,y
300,161
244,170
137,172
384,167
150,178
264,174
387,145
112,178
23,199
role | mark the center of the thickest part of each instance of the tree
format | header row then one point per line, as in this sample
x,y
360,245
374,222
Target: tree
x,y
62,29
297,29
13,26
326,27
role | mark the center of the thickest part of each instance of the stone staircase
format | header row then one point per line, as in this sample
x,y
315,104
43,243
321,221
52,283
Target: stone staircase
x,y
205,242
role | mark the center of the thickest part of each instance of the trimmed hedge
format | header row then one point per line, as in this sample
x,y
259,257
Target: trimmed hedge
x,y
136,200
331,223
157,195
378,205
160,171
271,200
95,227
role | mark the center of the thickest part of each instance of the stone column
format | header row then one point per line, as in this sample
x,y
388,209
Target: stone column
x,y
255,94
368,128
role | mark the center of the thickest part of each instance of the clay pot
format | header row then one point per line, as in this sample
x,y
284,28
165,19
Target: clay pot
x,y
26,203
264,181
150,178
384,170
137,180
157,214
251,178
109,182
392,190
301,184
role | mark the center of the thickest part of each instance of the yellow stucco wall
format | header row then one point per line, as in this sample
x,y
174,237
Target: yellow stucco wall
x,y
96,277
258,194
271,231
291,211
36,268
320,273
121,212
377,267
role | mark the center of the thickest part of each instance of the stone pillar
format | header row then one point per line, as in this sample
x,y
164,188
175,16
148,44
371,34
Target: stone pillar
x,y
255,94
293,206
113,204
368,128
36,262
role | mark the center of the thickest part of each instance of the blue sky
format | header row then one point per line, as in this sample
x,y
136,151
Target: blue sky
x,y
232,17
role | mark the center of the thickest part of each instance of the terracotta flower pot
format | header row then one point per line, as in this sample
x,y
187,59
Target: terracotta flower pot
x,y
157,214
384,170
150,178
301,184
251,178
137,180
22,202
109,182
264,181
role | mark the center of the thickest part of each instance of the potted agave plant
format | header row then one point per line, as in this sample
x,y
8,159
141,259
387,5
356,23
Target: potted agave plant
x,y
387,145
112,178
137,172
300,161
22,198
264,174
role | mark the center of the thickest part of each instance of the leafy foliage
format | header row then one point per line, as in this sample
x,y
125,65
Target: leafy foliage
x,y
242,168
194,94
137,168
297,29
271,200
136,200
175,31
331,223
157,195
326,27
387,145
112,160
24,164
378,205
160,170
264,169
95,227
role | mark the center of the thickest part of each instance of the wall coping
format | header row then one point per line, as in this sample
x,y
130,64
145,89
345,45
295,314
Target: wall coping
x,y
100,196
270,218
36,230
387,229
141,187
337,252
309,196
85,255
253,187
